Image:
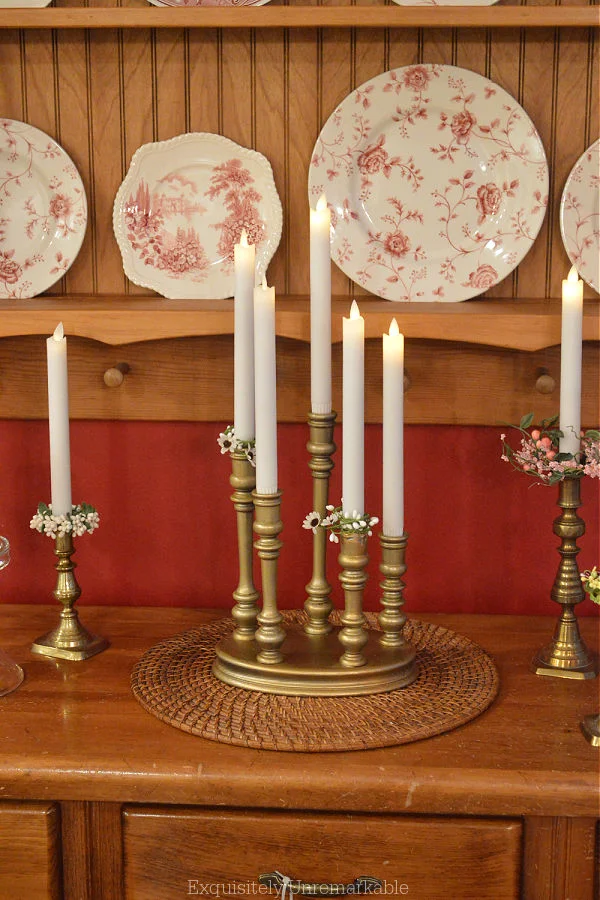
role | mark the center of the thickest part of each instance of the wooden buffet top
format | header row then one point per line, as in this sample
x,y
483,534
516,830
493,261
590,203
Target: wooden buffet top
x,y
74,731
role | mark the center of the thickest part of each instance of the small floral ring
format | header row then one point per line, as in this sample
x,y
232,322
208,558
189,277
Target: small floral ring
x,y
228,442
83,519
339,524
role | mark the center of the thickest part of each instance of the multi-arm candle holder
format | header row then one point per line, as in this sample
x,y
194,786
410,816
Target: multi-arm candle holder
x,y
567,656
69,640
264,653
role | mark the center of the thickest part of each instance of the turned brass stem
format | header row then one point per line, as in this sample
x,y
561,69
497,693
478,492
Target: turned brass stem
x,y
245,611
566,655
353,560
392,567
318,605
69,640
268,525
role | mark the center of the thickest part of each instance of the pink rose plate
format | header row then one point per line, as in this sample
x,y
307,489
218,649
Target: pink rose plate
x,y
43,211
437,183
580,216
182,207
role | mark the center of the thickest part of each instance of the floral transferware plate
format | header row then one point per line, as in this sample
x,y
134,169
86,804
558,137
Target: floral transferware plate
x,y
580,216
437,183
182,207
43,211
14,4
209,2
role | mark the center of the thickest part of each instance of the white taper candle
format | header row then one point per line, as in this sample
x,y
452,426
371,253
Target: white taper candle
x,y
393,432
265,389
243,339
320,308
353,426
570,362
58,422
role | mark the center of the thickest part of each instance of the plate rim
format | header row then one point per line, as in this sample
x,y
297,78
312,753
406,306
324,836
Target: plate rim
x,y
79,234
561,211
276,225
459,71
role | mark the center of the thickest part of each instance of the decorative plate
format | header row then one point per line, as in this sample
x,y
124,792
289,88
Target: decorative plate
x,y
209,2
43,210
437,183
14,4
580,216
182,207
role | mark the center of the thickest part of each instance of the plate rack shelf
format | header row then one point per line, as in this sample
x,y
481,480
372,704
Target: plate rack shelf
x,y
105,79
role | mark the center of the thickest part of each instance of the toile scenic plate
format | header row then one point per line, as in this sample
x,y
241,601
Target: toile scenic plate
x,y
209,2
580,216
43,211
182,207
437,183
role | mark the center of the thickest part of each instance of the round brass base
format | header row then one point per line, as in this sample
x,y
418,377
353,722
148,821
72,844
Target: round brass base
x,y
590,727
308,670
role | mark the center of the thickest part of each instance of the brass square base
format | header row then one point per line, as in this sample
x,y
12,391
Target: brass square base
x,y
49,645
308,670
581,671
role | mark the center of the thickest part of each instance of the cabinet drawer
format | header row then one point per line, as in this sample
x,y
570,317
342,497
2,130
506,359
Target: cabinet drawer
x,y
29,851
173,852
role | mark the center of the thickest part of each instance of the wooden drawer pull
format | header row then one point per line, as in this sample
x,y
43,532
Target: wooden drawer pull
x,y
114,377
545,383
364,884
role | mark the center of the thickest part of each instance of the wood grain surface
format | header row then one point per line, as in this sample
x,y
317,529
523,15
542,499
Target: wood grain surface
x,y
525,755
29,851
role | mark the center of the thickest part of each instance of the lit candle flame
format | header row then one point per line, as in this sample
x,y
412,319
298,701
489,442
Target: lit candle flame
x,y
244,238
59,332
321,203
394,330
354,310
573,275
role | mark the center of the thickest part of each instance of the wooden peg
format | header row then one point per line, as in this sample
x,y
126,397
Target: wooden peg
x,y
114,377
545,383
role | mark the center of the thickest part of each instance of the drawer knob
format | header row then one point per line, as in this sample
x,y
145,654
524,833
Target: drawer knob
x,y
114,377
364,884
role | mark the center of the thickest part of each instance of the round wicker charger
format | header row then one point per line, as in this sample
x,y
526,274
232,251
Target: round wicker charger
x,y
457,681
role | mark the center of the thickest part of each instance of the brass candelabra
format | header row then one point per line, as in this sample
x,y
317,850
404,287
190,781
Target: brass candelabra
x,y
69,640
566,655
264,653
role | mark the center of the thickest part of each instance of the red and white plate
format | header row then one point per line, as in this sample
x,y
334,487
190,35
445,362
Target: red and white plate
x,y
182,207
43,211
209,2
580,216
437,183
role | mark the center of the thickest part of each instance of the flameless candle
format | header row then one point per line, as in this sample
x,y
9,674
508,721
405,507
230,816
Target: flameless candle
x,y
265,389
243,340
570,362
58,422
393,432
320,308
353,427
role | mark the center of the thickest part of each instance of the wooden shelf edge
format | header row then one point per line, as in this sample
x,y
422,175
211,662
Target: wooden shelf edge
x,y
304,17
527,325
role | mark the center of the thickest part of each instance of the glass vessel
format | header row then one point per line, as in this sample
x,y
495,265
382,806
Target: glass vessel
x,y
11,675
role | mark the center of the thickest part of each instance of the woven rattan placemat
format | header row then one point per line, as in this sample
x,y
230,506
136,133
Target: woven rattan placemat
x,y
457,681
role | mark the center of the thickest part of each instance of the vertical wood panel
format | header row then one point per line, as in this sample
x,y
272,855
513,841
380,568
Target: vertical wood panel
x,y
238,90
171,83
12,98
271,127
204,78
107,153
303,125
74,137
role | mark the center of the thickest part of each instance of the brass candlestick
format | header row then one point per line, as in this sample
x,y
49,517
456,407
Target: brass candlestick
x,y
392,618
567,656
69,640
318,605
270,635
243,481
353,559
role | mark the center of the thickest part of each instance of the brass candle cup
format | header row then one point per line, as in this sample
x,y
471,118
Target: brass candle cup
x,y
69,640
243,482
566,656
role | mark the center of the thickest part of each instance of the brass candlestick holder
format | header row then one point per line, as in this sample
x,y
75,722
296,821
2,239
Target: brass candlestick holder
x,y
245,611
590,727
566,656
69,640
316,659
